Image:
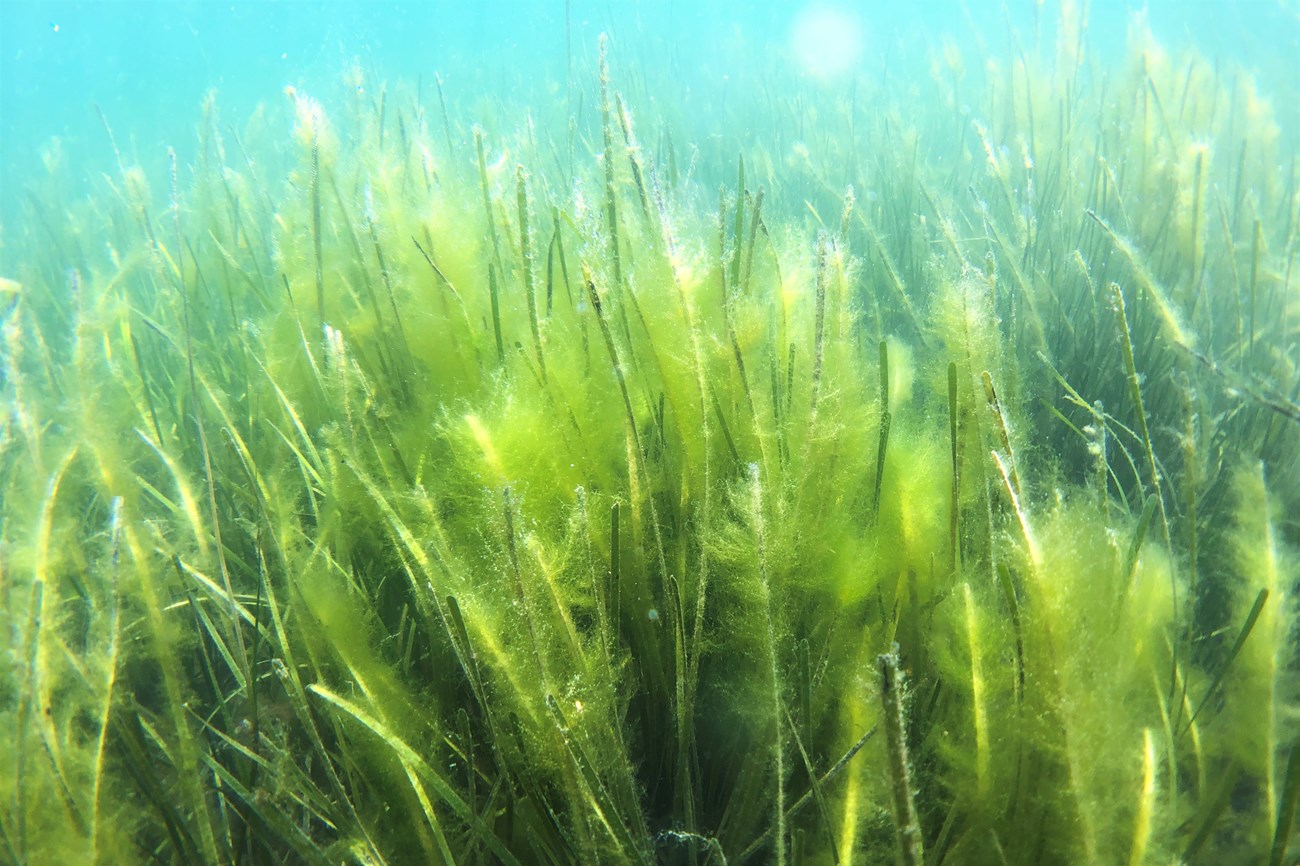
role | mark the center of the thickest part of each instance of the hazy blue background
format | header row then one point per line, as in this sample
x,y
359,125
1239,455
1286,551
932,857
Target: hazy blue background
x,y
147,65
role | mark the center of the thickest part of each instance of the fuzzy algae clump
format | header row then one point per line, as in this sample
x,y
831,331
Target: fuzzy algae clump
x,y
385,490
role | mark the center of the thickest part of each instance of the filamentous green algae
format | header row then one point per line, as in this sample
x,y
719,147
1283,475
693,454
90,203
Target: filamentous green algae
x,y
390,486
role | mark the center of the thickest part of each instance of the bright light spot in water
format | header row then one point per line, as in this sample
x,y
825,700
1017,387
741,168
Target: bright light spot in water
x,y
826,40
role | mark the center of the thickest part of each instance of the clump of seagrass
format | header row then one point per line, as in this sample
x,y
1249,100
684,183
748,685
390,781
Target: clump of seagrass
x,y
389,492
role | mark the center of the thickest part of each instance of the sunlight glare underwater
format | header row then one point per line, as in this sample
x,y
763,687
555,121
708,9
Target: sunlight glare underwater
x,y
826,41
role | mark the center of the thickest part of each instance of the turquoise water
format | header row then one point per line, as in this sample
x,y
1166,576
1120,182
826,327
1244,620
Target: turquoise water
x,y
148,65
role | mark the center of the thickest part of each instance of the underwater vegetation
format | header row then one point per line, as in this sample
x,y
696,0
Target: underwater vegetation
x,y
915,483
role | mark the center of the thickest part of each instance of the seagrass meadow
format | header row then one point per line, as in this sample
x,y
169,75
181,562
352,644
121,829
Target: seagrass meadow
x,y
910,474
